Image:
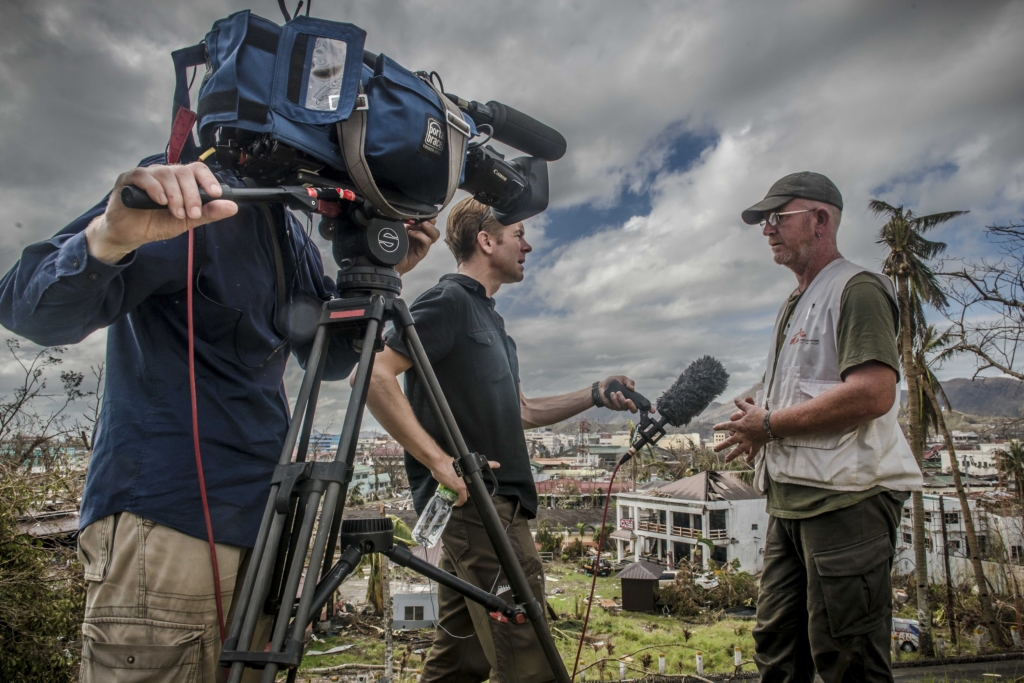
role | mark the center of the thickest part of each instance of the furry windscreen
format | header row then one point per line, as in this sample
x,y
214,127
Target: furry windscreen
x,y
699,385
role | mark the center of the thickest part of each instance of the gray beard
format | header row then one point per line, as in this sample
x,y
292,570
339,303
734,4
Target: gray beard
x,y
785,258
792,258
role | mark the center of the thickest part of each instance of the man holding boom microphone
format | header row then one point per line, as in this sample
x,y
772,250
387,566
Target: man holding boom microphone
x,y
150,609
476,365
829,453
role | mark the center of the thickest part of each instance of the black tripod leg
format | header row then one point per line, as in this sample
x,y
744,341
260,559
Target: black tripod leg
x,y
349,434
264,553
401,555
478,493
297,507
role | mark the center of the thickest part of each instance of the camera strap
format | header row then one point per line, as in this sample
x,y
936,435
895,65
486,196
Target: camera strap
x,y
352,138
280,323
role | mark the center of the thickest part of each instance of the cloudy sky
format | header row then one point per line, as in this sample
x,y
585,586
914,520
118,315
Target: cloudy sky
x,y
678,115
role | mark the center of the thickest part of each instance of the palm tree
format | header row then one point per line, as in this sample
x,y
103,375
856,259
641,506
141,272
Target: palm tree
x,y
931,343
916,284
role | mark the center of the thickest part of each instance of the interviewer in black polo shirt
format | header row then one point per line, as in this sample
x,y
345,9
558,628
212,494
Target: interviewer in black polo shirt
x,y
475,363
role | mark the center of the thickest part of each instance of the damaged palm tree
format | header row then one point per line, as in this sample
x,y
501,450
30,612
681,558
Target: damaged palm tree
x,y
916,284
938,346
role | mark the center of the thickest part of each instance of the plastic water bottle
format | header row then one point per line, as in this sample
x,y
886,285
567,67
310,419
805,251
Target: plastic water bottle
x,y
431,523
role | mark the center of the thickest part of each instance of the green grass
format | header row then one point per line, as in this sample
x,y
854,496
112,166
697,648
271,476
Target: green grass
x,y
627,632
631,631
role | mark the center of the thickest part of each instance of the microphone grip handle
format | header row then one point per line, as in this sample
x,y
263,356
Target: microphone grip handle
x,y
639,400
136,198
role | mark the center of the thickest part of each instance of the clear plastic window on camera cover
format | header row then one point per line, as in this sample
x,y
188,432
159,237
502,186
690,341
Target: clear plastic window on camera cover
x,y
326,74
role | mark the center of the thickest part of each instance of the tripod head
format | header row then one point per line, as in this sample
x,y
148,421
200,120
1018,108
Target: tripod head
x,y
366,247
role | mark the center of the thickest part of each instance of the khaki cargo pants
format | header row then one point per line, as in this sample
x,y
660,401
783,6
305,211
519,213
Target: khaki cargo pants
x,y
469,646
825,601
150,611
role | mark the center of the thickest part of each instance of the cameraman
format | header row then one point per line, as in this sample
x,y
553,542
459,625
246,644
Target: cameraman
x,y
476,365
150,604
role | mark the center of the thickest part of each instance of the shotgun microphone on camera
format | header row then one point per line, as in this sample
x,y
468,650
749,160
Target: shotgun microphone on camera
x,y
699,384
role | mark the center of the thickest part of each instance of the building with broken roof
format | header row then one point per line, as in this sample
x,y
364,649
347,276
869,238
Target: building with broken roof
x,y
711,515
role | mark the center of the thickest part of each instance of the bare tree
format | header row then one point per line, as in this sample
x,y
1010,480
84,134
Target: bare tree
x,y
92,415
33,419
987,302
41,587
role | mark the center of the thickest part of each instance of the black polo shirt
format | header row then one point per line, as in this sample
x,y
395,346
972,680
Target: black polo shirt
x,y
477,368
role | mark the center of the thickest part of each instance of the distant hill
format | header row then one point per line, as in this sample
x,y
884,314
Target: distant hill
x,y
720,412
1000,396
997,396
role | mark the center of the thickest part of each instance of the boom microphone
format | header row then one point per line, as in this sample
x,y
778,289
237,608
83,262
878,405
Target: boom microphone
x,y
700,384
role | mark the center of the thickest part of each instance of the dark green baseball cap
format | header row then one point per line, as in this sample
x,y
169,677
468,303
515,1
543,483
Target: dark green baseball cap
x,y
805,185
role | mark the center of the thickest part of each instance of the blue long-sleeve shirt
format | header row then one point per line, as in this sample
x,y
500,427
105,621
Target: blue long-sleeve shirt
x,y
143,459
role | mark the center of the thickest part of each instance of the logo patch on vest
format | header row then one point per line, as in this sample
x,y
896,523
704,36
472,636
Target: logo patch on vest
x,y
433,138
801,338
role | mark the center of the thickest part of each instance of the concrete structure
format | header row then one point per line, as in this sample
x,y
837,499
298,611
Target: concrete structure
x,y
1000,539
680,441
620,439
677,521
574,493
415,607
979,460
547,442
964,438
719,438
415,604
365,481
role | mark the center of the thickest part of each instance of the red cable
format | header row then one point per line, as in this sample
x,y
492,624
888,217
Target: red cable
x,y
195,438
597,566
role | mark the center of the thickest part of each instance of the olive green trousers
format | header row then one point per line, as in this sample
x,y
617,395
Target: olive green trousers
x,y
825,601
469,646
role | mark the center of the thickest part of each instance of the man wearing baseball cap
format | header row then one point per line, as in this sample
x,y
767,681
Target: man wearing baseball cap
x,y
829,453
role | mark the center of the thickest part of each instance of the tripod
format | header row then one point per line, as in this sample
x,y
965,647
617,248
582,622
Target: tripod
x,y
303,492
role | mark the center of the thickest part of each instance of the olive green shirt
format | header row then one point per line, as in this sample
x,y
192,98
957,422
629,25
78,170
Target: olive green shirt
x,y
866,331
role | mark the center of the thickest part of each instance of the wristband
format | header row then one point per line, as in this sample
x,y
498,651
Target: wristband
x,y
596,395
767,427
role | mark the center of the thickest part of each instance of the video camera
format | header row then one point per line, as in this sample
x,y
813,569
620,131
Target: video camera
x,y
311,119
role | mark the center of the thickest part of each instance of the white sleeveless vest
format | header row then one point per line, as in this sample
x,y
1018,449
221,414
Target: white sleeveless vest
x,y
873,454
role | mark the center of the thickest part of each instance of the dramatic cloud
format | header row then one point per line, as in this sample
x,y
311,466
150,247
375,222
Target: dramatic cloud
x,y
678,116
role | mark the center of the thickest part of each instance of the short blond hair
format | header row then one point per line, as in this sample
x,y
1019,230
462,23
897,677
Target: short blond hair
x,y
464,225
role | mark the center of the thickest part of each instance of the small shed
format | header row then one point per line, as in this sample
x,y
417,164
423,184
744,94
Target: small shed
x,y
639,584
415,609
415,606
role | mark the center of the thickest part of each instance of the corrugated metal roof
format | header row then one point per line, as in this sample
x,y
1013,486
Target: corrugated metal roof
x,y
707,486
49,524
641,570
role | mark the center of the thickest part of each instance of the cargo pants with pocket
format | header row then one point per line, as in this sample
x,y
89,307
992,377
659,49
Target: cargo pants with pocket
x,y
150,612
469,646
825,600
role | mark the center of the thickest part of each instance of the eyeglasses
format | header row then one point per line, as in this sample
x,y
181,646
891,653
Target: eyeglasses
x,y
487,215
773,217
